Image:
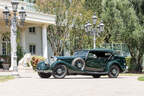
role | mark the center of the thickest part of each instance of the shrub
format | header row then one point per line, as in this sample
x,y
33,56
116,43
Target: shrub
x,y
35,60
130,64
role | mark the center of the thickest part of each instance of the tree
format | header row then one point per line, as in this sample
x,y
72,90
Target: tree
x,y
138,6
120,17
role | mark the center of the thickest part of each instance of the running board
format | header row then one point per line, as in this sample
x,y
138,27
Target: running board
x,y
102,73
86,73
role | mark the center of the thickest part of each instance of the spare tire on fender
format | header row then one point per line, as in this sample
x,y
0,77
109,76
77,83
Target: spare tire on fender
x,y
79,63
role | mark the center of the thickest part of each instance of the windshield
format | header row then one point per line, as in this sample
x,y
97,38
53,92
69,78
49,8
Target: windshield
x,y
81,53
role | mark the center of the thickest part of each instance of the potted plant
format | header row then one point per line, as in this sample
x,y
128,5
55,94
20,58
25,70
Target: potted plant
x,y
6,62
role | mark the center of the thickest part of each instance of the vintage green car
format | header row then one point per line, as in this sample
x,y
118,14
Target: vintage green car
x,y
95,62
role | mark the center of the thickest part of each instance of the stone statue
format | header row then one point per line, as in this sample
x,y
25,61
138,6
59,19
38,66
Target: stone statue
x,y
25,66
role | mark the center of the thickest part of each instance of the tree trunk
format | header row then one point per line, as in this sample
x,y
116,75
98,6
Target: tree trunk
x,y
136,64
107,38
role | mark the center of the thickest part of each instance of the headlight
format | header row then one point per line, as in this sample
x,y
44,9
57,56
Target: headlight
x,y
46,61
53,59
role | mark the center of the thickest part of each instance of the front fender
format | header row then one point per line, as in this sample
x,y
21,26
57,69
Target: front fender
x,y
111,63
42,66
69,66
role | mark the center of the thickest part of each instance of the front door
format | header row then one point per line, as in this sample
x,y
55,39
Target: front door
x,y
93,63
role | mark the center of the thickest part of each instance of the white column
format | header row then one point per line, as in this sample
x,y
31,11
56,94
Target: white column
x,y
44,41
23,39
13,47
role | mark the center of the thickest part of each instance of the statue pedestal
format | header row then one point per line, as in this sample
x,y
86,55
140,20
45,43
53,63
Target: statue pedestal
x,y
26,72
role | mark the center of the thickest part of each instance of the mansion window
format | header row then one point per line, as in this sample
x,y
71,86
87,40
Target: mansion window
x,y
32,1
4,48
5,45
32,49
32,29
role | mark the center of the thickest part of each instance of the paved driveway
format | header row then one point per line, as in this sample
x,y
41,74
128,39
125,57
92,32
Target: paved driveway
x,y
73,86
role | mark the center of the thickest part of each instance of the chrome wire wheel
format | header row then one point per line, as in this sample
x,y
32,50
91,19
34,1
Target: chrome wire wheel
x,y
59,71
79,64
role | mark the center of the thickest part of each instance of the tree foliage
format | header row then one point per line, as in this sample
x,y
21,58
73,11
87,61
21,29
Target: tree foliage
x,y
94,5
125,20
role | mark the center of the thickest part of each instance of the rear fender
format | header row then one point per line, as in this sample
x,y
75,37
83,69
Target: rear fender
x,y
109,64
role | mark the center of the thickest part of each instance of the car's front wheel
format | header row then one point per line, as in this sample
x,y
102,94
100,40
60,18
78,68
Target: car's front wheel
x,y
114,71
44,75
59,71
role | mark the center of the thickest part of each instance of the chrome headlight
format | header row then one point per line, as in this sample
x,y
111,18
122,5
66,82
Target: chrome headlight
x,y
46,61
53,59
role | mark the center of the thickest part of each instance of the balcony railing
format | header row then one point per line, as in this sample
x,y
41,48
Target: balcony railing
x,y
29,6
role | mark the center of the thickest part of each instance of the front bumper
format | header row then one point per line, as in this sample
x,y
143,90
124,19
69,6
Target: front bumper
x,y
44,71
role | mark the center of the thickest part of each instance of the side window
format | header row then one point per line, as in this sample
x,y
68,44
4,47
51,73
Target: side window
x,y
32,29
108,54
103,54
32,49
92,55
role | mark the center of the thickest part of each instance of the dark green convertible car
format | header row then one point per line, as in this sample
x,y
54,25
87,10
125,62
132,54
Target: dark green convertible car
x,y
95,62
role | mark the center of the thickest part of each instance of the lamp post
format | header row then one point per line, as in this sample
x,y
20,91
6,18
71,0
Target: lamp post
x,y
13,20
96,30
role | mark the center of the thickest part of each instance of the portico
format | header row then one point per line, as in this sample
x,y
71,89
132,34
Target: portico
x,y
33,35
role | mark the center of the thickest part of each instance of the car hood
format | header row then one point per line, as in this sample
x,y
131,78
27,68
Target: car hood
x,y
65,57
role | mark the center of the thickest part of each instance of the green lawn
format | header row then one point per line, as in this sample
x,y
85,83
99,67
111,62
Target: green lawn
x,y
6,78
131,74
141,78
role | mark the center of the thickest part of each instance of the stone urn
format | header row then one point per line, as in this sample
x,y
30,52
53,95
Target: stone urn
x,y
6,66
6,61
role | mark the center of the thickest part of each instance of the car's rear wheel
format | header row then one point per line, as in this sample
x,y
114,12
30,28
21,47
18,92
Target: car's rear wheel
x,y
44,75
59,71
96,76
114,71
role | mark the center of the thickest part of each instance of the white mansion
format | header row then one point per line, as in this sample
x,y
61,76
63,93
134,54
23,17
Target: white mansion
x,y
33,35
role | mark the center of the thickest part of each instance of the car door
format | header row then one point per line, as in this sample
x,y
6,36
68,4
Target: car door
x,y
93,63
103,58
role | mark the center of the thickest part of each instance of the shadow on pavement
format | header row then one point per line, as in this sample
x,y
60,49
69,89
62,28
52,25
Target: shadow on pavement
x,y
85,78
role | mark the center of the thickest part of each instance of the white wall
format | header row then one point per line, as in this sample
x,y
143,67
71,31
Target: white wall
x,y
32,38
28,38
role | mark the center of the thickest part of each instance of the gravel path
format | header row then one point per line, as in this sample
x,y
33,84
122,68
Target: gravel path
x,y
73,86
